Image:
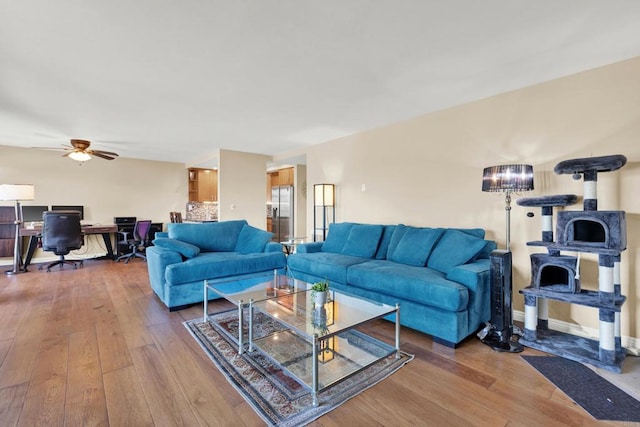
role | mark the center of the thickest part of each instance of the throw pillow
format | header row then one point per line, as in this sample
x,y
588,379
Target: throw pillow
x,y
337,236
185,249
416,245
363,240
252,240
454,248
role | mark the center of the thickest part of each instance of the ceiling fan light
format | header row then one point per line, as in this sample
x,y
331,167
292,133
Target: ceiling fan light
x,y
79,156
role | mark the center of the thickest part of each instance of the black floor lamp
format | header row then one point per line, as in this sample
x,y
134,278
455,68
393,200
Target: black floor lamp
x,y
17,193
324,213
507,179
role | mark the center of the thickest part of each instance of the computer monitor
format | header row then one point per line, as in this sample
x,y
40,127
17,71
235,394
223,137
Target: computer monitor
x,y
79,208
33,213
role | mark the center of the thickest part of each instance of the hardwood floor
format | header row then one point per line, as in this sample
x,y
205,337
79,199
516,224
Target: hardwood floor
x,y
94,346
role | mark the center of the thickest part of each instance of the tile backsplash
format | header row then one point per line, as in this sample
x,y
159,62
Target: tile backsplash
x,y
202,211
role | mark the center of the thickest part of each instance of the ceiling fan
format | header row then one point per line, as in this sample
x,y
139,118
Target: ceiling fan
x,y
79,151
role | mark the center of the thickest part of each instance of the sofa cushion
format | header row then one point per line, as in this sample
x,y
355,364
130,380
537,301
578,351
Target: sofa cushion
x,y
485,252
208,236
415,246
454,248
476,232
336,237
363,240
183,248
252,240
383,246
325,265
398,232
420,284
212,265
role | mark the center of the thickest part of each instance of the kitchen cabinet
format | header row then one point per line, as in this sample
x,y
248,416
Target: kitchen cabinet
x,y
203,185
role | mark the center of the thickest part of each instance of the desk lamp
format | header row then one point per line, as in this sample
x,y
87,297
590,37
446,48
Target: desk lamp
x,y
16,193
507,179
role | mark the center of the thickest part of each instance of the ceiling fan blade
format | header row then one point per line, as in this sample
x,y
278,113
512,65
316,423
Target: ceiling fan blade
x,y
101,155
106,153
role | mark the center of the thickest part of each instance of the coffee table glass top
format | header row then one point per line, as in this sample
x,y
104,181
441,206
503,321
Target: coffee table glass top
x,y
342,312
257,288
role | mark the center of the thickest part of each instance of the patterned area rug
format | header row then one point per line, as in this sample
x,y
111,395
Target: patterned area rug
x,y
272,392
597,396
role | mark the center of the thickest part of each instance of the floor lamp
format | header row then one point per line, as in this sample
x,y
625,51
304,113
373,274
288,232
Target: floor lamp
x,y
17,193
507,179
324,209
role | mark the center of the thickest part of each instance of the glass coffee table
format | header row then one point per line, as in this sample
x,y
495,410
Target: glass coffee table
x,y
245,291
320,345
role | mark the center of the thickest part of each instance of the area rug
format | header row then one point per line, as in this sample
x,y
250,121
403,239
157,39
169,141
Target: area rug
x,y
597,396
276,396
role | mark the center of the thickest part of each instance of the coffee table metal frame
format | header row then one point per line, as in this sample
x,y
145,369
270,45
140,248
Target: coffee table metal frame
x,y
355,310
244,291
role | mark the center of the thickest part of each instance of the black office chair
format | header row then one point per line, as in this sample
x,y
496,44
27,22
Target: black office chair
x,y
137,242
61,233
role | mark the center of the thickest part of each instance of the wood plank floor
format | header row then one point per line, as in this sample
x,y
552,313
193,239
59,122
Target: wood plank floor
x,y
95,347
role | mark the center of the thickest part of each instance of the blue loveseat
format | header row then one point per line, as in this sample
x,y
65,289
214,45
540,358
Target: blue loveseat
x,y
440,277
188,253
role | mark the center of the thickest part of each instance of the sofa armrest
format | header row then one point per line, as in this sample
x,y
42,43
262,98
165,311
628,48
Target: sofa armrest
x,y
476,277
161,234
157,261
309,247
470,275
273,247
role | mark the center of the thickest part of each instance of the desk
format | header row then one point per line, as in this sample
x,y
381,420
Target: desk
x,y
34,233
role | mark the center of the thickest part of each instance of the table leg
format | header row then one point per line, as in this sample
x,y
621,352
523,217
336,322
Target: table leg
x,y
206,302
314,368
250,325
240,324
107,243
31,249
397,331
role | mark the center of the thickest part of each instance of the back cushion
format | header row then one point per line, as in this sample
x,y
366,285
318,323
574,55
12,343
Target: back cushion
x,y
337,237
252,240
208,236
363,240
383,246
454,248
395,238
416,245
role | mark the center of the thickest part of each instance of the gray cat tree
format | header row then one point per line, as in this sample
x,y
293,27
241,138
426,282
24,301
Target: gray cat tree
x,y
555,276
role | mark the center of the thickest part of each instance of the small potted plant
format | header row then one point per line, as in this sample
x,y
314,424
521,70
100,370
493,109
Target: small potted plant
x,y
319,292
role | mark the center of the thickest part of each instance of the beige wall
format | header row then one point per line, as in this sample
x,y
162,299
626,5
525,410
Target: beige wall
x,y
300,211
242,179
427,171
121,187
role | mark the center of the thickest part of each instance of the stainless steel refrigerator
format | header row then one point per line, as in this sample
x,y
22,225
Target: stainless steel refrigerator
x,y
282,212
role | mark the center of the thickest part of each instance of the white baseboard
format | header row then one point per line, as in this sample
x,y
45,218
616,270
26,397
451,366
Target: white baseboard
x,y
630,343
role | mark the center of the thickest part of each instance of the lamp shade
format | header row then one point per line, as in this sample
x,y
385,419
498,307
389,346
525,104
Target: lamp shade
x,y
15,192
508,178
323,195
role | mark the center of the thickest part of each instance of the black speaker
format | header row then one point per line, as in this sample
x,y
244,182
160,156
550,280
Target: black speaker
x,y
497,334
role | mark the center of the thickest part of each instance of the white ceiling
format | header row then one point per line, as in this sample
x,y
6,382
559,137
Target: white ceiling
x,y
176,80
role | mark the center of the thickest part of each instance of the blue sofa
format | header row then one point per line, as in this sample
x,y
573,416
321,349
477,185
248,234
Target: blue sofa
x,y
440,277
188,253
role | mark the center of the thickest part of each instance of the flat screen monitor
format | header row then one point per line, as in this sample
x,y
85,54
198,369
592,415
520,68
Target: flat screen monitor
x,y
79,208
33,213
